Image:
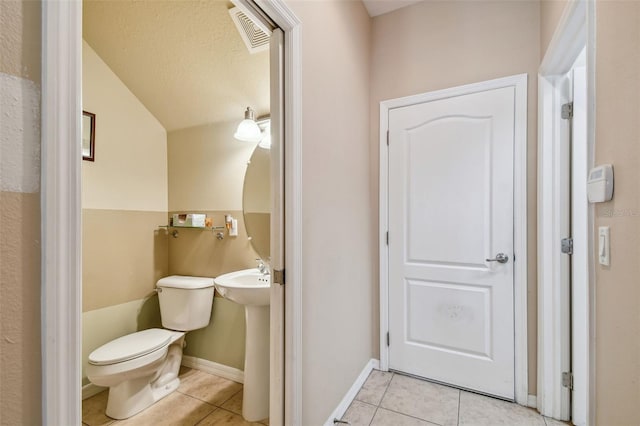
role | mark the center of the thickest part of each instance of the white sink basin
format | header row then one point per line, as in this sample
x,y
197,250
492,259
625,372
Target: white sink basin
x,y
251,288
246,287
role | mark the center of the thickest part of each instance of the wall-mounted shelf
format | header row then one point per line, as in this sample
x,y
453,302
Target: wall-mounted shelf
x,y
173,230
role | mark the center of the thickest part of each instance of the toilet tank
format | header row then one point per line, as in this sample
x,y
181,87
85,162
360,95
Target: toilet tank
x,y
185,302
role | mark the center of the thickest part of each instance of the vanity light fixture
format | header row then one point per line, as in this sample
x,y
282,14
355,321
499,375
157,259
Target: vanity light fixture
x,y
248,129
265,143
252,130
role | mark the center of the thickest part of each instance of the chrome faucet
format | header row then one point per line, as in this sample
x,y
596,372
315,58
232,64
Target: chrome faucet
x,y
264,269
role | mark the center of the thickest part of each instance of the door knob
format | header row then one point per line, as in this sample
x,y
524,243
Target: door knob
x,y
500,258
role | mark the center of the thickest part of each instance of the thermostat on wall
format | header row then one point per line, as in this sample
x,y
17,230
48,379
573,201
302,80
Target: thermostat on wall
x,y
600,184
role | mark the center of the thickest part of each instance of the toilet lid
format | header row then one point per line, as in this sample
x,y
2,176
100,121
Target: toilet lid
x,y
130,346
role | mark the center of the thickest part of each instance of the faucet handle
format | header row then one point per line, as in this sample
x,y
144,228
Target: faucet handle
x,y
262,267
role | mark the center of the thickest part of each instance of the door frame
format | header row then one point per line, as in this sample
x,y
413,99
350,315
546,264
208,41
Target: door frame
x,y
61,209
519,83
574,32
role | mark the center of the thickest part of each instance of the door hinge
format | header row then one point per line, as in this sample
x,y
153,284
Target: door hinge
x,y
388,339
387,237
387,138
567,380
566,245
278,276
567,110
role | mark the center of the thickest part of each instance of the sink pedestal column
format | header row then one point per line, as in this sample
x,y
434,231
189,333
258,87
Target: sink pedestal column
x,y
255,400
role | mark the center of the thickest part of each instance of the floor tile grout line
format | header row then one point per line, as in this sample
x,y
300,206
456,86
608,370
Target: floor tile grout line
x,y
413,417
381,398
235,414
405,414
374,415
206,415
459,405
386,389
202,400
229,399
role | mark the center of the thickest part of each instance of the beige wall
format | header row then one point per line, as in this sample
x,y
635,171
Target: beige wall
x,y
206,174
130,170
550,13
207,166
617,139
124,255
20,360
436,45
124,200
337,231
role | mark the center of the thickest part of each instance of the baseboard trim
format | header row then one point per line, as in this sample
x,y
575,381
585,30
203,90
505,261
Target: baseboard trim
x,y
89,390
211,367
532,401
338,413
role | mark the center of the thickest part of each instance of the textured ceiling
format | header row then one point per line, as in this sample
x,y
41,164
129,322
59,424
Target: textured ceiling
x,y
183,59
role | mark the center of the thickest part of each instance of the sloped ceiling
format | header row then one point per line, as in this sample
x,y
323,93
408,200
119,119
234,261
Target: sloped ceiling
x,y
380,7
184,60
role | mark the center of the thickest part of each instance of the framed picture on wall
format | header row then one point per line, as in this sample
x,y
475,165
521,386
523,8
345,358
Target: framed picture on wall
x,y
88,136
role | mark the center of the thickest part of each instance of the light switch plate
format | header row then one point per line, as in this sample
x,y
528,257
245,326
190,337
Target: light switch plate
x,y
603,246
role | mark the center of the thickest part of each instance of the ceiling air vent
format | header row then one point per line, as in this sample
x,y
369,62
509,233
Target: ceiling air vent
x,y
255,39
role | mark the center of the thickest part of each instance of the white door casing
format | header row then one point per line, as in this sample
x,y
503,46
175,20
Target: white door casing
x,y
575,32
580,263
450,209
276,369
451,178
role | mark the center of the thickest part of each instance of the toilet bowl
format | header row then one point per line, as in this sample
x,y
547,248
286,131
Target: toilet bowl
x,y
141,368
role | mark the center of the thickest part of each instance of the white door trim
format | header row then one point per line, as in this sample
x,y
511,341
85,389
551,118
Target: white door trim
x,y
284,17
519,82
61,209
61,212
575,30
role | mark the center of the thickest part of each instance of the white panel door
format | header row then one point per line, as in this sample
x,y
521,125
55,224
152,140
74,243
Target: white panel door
x,y
451,174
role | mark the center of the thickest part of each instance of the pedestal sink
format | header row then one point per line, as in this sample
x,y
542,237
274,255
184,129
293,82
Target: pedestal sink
x,y
251,288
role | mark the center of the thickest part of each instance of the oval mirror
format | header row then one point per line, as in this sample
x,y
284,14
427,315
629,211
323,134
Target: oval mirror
x,y
256,201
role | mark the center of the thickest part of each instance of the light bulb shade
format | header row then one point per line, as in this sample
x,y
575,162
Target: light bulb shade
x,y
266,141
248,131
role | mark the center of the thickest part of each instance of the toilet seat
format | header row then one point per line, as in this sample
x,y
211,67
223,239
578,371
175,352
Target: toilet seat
x,y
131,346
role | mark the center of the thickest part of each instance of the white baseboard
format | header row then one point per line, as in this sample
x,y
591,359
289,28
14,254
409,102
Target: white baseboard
x,y
532,401
89,390
211,367
338,413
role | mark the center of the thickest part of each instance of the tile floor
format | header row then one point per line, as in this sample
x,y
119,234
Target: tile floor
x,y
391,399
386,399
202,399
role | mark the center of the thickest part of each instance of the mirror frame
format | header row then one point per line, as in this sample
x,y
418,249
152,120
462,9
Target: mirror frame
x,y
91,153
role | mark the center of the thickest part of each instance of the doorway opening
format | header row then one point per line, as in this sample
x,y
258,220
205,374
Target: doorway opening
x,y
61,126
565,243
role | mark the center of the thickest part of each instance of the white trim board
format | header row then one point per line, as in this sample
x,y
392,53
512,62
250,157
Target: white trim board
x,y
575,31
519,82
214,368
348,398
61,218
284,18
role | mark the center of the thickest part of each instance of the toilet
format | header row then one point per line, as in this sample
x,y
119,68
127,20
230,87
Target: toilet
x,y
141,368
